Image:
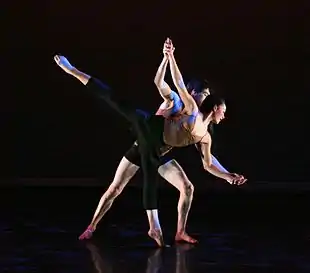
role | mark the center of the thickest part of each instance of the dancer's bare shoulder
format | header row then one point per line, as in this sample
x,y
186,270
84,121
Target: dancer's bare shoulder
x,y
200,130
206,139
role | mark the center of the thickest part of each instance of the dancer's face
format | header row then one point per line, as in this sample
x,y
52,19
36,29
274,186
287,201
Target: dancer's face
x,y
219,113
199,97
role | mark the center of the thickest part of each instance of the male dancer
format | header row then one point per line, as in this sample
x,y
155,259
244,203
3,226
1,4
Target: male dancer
x,y
158,135
171,171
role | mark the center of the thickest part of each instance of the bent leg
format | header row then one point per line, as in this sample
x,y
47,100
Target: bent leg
x,y
125,171
175,175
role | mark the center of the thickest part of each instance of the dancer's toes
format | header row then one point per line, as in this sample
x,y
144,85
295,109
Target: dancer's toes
x,y
184,237
63,63
157,235
56,58
87,234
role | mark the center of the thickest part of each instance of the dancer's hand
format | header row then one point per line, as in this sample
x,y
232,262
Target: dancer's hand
x,y
168,49
63,63
236,179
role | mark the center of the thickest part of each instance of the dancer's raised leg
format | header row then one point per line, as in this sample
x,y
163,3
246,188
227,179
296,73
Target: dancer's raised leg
x,y
148,144
65,65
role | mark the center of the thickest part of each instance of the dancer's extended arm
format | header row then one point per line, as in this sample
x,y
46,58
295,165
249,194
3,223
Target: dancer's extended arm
x,y
172,102
218,165
159,80
215,168
215,162
189,102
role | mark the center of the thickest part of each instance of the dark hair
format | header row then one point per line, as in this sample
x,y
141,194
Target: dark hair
x,y
198,85
209,102
207,105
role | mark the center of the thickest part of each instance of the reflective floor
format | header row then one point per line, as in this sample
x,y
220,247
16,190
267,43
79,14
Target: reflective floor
x,y
237,232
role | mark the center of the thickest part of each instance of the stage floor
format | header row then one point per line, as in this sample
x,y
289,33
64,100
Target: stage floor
x,y
237,232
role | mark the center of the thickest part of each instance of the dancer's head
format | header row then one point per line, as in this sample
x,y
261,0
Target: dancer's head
x,y
198,89
206,100
213,107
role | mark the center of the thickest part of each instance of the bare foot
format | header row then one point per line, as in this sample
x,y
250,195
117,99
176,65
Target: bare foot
x,y
87,234
157,235
63,63
179,237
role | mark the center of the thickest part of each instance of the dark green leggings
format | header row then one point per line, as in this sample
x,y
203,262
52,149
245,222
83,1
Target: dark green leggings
x,y
149,133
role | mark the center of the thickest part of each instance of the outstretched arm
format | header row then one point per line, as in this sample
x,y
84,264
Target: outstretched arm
x,y
172,103
212,165
215,162
159,80
207,161
216,168
189,103
218,165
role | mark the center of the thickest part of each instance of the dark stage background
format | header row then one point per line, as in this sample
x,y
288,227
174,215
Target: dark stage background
x,y
253,52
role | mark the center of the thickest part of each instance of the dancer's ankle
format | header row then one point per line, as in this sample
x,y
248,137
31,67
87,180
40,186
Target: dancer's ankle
x,y
91,227
180,231
153,219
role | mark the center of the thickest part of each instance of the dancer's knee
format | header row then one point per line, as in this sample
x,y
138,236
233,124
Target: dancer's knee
x,y
187,188
113,192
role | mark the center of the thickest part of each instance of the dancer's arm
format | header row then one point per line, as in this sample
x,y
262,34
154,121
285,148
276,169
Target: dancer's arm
x,y
189,103
215,162
220,172
205,148
218,165
172,103
215,168
159,80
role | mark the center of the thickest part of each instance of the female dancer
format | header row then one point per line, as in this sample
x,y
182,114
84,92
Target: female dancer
x,y
157,135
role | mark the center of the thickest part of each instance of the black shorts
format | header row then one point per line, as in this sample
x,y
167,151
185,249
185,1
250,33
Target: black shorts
x,y
133,156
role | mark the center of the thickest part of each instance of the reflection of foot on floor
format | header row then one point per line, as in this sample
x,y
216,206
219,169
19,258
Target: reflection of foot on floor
x,y
154,262
92,247
155,255
184,247
100,260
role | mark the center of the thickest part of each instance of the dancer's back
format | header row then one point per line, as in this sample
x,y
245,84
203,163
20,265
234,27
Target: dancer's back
x,y
183,129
